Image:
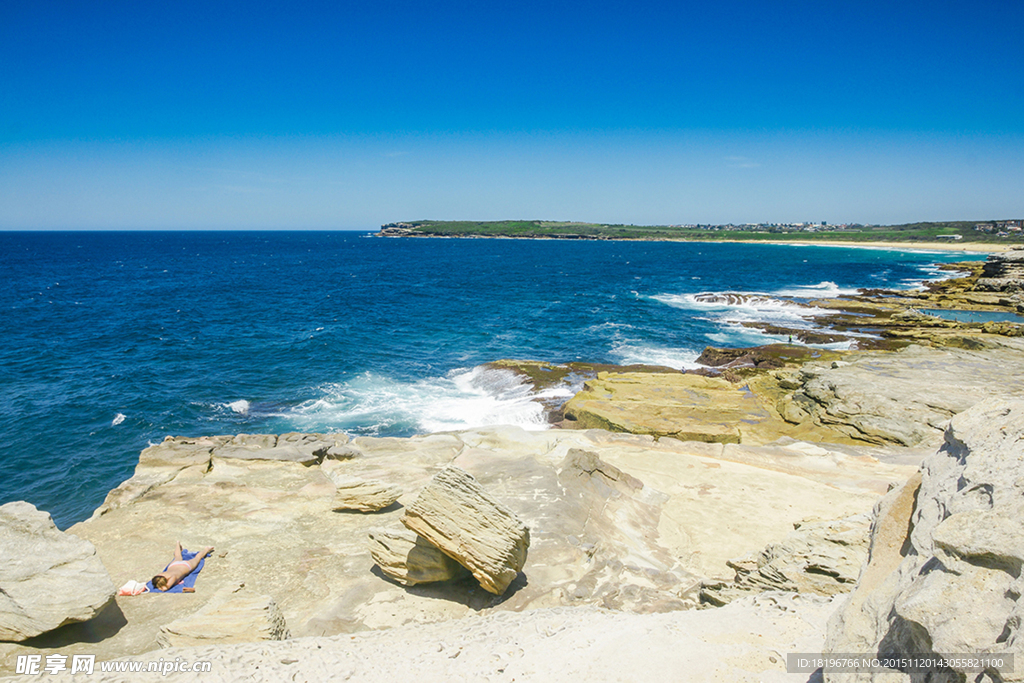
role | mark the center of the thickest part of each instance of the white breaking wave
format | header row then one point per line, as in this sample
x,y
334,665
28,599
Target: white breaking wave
x,y
932,274
730,310
737,335
462,399
118,419
638,354
821,290
241,407
739,307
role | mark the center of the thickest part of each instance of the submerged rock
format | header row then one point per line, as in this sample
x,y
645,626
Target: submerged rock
x,y
47,578
455,514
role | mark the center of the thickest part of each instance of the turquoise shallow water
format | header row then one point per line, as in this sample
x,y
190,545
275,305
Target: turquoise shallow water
x,y
974,316
113,340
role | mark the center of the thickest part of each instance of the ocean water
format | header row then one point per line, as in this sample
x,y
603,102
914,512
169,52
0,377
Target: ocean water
x,y
110,341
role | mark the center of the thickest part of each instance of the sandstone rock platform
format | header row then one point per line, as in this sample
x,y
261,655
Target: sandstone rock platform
x,y
625,522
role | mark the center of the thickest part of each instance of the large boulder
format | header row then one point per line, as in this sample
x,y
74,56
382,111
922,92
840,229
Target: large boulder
x,y
455,514
409,559
47,578
233,615
944,575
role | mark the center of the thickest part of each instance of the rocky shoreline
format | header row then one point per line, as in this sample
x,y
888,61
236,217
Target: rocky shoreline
x,y
907,373
788,499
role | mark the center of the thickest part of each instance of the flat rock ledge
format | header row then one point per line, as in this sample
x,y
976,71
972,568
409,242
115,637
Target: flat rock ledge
x,y
47,578
744,642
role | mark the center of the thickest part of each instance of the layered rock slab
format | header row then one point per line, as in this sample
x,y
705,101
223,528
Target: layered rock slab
x,y
907,397
466,523
47,578
821,557
189,458
232,616
408,558
364,496
686,407
944,573
1003,272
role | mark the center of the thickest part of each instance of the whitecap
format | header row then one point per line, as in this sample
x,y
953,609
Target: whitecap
x,y
738,336
608,325
932,273
241,406
118,419
738,315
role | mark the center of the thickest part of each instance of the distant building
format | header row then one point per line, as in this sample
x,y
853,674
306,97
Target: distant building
x,y
949,237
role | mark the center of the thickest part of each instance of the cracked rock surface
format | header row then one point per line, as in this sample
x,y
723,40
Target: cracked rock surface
x,y
944,572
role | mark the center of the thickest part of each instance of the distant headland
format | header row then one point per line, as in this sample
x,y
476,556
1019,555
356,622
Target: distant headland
x,y
991,233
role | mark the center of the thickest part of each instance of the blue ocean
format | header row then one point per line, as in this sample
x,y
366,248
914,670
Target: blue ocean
x,y
109,341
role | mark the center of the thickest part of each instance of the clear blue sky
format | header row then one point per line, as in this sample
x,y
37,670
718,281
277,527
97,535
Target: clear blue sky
x,y
348,115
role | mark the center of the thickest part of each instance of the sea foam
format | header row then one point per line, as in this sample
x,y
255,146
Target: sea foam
x,y
733,312
646,354
372,403
241,407
822,290
738,307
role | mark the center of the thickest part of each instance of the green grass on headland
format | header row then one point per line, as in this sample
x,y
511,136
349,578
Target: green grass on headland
x,y
911,232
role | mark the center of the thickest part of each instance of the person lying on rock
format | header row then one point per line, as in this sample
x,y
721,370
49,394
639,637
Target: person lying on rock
x,y
178,569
